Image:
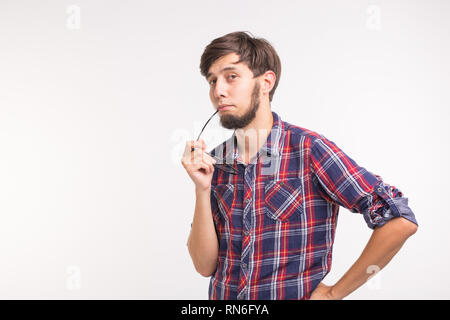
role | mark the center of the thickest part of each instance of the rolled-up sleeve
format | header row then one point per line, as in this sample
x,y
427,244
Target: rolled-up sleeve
x,y
341,180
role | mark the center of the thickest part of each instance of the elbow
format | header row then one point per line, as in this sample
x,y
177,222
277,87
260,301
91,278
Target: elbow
x,y
412,228
401,227
204,267
408,227
205,273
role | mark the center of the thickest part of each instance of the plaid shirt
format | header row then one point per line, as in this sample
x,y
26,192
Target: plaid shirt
x,y
276,219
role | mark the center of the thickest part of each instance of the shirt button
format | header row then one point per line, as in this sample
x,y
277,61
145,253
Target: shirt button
x,y
246,232
379,189
244,265
248,200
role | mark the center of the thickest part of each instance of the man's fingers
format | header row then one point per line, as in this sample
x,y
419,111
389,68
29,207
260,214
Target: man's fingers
x,y
195,166
198,156
207,156
206,167
203,144
208,159
190,155
190,144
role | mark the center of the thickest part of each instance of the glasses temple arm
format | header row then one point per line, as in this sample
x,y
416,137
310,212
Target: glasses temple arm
x,y
206,124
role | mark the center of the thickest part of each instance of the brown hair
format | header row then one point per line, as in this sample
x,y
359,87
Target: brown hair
x,y
257,53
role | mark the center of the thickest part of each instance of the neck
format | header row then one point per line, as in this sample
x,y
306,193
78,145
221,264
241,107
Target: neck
x,y
251,138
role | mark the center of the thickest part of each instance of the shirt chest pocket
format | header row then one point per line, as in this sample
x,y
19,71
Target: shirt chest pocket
x,y
283,199
225,194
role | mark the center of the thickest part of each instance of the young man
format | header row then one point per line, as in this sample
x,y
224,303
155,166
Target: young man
x,y
267,230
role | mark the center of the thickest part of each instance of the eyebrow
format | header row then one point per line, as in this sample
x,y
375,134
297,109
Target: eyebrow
x,y
224,69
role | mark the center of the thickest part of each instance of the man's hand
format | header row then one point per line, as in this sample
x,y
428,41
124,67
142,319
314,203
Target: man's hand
x,y
322,292
198,164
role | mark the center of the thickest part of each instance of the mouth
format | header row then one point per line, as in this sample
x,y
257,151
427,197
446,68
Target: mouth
x,y
225,107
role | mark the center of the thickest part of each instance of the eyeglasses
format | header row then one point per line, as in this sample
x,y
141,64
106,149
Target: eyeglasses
x,y
221,166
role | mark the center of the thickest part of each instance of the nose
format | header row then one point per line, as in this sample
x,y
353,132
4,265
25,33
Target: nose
x,y
220,88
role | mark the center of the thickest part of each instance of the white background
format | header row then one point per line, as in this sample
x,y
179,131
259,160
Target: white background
x,y
97,99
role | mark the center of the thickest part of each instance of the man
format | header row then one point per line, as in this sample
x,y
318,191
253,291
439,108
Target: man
x,y
267,231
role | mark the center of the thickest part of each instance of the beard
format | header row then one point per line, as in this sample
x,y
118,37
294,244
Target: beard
x,y
239,122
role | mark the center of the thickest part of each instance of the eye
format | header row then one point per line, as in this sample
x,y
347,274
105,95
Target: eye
x,y
214,81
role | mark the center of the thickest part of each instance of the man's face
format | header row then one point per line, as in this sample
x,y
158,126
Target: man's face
x,y
233,84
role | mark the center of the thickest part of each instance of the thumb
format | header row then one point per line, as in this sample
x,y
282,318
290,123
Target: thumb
x,y
203,144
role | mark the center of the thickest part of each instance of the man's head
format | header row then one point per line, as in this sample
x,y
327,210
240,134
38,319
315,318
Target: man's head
x,y
243,72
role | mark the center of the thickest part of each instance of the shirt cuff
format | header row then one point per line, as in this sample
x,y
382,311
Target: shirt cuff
x,y
387,203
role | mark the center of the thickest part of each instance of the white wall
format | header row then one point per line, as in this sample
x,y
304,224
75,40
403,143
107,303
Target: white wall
x,y
97,99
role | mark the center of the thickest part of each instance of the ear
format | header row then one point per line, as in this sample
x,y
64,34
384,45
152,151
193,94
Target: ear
x,y
268,81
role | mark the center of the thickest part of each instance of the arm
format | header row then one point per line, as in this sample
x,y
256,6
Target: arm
x,y
341,180
203,244
384,243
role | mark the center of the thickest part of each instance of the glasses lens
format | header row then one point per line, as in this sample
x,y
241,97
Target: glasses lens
x,y
222,165
227,168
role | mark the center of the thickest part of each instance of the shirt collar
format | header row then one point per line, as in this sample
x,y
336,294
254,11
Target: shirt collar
x,y
272,146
